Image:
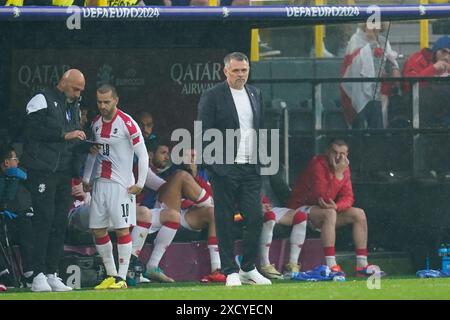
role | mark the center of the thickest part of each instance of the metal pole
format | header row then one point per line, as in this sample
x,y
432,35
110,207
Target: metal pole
x,y
286,144
317,103
424,29
415,105
319,32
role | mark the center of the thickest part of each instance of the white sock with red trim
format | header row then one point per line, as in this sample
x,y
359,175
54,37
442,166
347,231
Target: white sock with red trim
x,y
297,237
138,236
204,200
266,237
330,256
162,241
105,250
124,248
361,258
214,253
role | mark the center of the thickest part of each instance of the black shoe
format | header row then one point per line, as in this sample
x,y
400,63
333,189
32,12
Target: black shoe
x,y
135,270
136,266
26,282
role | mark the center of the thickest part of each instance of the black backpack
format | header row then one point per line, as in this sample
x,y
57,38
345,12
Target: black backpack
x,y
81,271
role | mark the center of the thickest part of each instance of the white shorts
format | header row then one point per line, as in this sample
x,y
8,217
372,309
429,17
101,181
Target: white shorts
x,y
161,206
280,212
156,220
184,223
111,204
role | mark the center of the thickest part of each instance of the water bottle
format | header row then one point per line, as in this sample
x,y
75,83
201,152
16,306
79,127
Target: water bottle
x,y
290,275
339,278
445,266
442,251
445,257
238,260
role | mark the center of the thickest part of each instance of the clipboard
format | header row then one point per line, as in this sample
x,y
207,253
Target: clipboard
x,y
84,146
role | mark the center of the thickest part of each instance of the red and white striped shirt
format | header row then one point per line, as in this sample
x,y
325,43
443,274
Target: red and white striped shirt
x,y
121,138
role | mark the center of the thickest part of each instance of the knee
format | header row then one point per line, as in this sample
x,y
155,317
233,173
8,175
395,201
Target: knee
x,y
171,216
360,216
122,232
182,175
99,233
329,216
143,214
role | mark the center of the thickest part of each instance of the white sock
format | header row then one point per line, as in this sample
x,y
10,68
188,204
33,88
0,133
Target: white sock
x,y
138,236
297,239
162,241
124,248
361,261
214,253
265,241
105,250
3,272
331,261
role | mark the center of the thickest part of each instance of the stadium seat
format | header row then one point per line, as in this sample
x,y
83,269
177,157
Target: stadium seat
x,y
276,188
333,118
301,118
273,116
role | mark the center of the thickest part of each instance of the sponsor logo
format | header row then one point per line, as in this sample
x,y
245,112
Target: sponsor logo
x,y
41,188
195,78
322,11
130,79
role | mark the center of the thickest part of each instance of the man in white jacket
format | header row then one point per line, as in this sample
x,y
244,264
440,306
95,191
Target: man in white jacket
x,y
368,55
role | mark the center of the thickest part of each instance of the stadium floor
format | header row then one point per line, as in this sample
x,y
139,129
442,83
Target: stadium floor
x,y
391,288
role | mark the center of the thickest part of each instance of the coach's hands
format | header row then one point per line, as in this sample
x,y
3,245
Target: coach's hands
x,y
134,189
78,190
76,134
95,149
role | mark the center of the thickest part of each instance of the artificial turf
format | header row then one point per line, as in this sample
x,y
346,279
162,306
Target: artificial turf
x,y
391,288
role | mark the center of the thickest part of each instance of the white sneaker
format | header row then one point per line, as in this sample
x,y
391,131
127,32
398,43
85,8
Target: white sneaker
x,y
233,280
143,279
56,283
40,284
253,277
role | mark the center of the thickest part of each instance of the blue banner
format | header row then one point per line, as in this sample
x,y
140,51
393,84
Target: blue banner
x,y
296,14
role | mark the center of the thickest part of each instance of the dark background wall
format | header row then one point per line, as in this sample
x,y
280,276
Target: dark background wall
x,y
161,67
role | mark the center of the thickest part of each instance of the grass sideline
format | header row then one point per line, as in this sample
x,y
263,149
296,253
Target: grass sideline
x,y
399,288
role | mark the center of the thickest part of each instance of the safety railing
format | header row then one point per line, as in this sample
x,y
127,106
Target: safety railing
x,y
412,144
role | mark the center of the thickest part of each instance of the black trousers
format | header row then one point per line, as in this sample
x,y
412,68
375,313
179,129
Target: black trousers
x,y
21,230
238,191
51,197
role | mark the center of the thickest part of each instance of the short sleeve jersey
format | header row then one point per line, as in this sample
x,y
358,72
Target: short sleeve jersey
x,y
118,137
